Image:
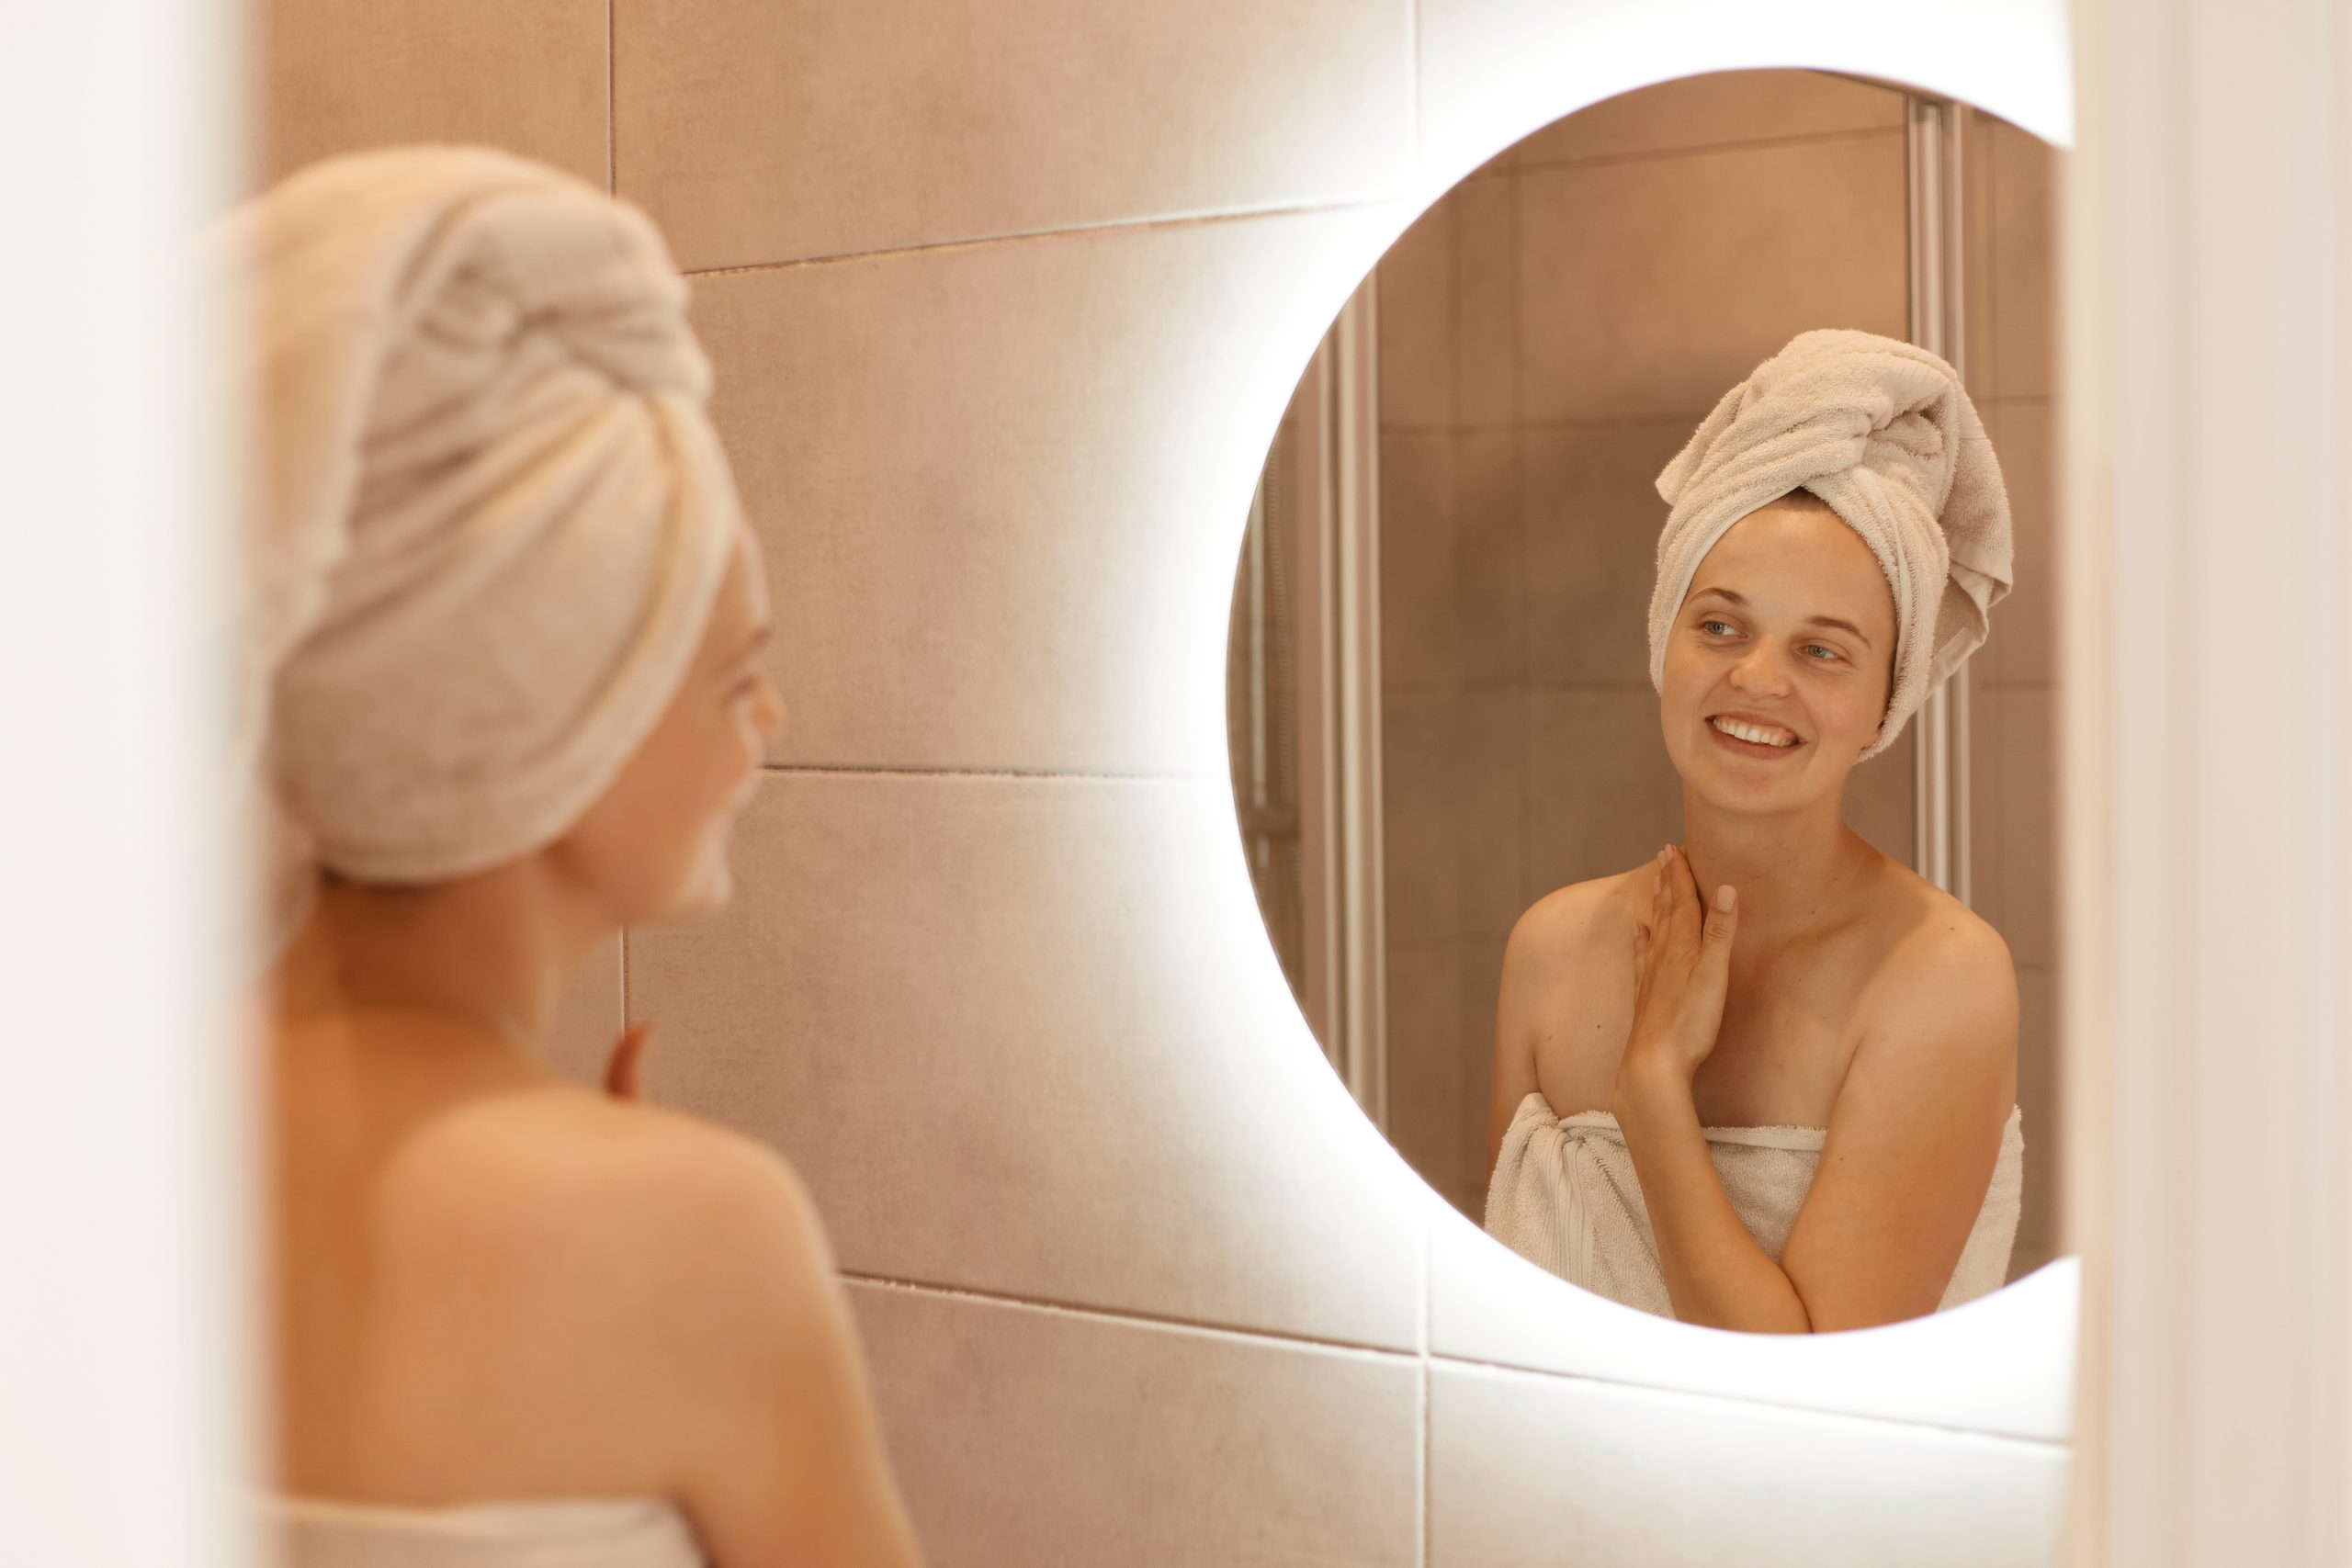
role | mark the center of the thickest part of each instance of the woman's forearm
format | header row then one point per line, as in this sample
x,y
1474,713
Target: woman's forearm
x,y
1715,1274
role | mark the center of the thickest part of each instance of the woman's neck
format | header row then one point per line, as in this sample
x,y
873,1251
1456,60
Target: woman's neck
x,y
1790,870
487,954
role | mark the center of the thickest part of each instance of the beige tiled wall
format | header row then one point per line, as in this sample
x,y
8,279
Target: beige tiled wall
x,y
2010,272
527,75
1010,298
1551,332
1503,1446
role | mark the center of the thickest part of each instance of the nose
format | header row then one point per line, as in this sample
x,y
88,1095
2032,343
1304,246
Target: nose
x,y
1762,670
768,714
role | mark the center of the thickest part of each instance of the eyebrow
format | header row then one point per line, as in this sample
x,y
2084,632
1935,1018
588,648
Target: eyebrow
x,y
1729,597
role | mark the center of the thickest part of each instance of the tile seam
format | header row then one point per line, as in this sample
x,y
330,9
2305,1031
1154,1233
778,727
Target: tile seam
x,y
1428,1363
1703,149
1166,1321
626,1020
1423,1459
887,770
1553,426
1193,219
1448,1360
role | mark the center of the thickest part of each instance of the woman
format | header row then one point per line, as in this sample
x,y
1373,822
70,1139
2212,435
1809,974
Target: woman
x,y
1767,1081
502,630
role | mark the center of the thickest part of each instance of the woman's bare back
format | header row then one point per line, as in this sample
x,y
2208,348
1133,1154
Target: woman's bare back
x,y
491,1285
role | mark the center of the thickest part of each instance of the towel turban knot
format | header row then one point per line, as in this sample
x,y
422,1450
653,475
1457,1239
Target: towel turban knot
x,y
1883,432
490,515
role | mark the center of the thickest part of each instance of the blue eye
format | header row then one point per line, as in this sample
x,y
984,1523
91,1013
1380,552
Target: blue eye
x,y
1823,652
1715,627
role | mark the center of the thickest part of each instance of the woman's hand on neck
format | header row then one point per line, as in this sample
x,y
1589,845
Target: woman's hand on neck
x,y
1790,870
489,953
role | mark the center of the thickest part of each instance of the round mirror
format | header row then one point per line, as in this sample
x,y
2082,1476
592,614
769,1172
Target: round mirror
x,y
1461,736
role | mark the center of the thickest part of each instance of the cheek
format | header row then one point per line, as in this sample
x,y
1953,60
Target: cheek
x,y
1675,673
1689,676
730,752
1848,705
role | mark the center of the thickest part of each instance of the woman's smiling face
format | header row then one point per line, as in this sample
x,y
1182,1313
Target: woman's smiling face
x,y
1779,661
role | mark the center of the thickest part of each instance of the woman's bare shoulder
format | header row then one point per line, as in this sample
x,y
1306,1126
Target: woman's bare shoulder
x,y
1941,941
1940,960
650,1285
648,1176
560,1189
1560,928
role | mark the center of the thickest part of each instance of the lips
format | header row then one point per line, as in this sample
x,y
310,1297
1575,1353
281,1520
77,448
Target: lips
x,y
1753,733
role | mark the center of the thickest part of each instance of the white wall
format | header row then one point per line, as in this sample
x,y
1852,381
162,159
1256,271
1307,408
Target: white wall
x,y
2209,597
120,1098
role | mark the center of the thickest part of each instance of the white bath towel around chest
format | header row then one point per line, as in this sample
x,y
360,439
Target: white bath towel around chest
x,y
1563,1195
606,1533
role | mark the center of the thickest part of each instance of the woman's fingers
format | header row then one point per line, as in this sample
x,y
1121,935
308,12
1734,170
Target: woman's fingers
x,y
625,1070
1714,968
1679,901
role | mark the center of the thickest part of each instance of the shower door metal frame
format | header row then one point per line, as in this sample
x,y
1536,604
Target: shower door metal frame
x,y
1338,574
1935,140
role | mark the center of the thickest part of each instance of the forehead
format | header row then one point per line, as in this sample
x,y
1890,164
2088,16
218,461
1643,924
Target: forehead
x,y
1800,560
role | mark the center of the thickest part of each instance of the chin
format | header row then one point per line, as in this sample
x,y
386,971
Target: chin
x,y
1736,790
712,883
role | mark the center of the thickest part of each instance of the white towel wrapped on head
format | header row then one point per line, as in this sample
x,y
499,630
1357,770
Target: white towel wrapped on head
x,y
492,517
1883,432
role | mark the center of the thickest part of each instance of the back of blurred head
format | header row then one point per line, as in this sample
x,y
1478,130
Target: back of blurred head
x,y
489,533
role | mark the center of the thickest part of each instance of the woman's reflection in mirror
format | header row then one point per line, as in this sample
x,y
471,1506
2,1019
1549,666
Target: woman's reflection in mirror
x,y
1767,1079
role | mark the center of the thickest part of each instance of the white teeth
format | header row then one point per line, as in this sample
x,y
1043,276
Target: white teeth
x,y
1753,733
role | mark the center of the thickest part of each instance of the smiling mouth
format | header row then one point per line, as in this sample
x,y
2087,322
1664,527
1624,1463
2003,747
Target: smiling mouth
x,y
1769,735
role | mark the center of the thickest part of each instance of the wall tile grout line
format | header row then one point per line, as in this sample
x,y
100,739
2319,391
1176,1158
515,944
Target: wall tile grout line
x,y
1165,1320
1495,687
1023,236
1427,1466
1427,1363
888,770
624,1006
1425,1459
1703,149
1549,426
1442,1361
612,122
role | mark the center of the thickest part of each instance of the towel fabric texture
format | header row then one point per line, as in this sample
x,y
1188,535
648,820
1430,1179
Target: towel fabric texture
x,y
491,516
1564,1196
1883,432
599,1534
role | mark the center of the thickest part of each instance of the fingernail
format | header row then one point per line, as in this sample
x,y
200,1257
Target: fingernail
x,y
1726,896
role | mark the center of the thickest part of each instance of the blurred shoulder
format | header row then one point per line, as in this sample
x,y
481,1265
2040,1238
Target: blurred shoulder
x,y
697,1189
573,1184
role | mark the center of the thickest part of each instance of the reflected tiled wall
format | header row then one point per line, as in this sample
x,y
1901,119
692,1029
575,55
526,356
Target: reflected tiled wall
x,y
1551,332
983,284
2010,272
